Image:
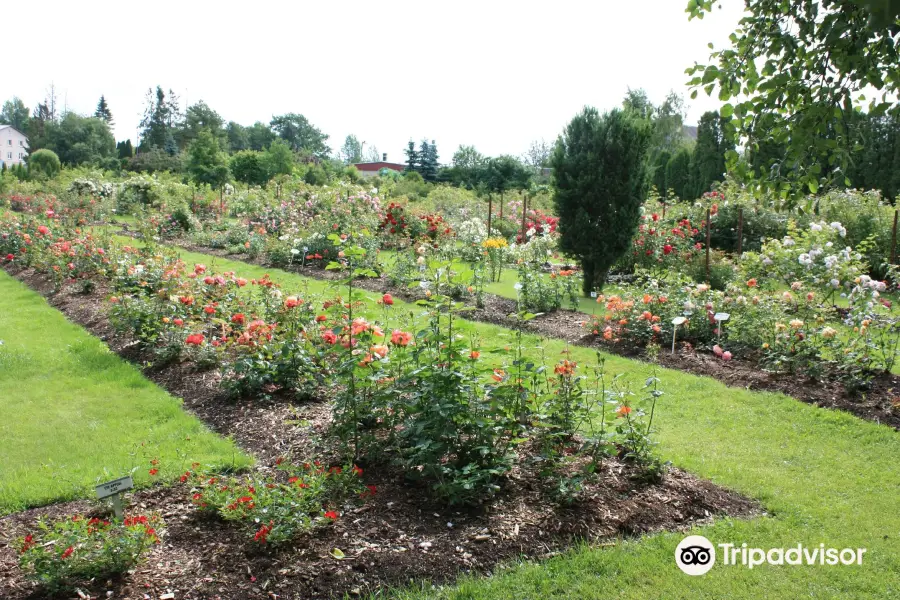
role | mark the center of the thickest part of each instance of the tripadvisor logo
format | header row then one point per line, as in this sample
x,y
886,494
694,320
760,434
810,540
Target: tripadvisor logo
x,y
696,555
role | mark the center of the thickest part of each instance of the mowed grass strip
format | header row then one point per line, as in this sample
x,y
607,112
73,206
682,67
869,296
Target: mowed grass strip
x,y
824,476
72,413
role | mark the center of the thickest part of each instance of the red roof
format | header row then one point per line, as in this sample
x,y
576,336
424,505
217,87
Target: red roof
x,y
377,166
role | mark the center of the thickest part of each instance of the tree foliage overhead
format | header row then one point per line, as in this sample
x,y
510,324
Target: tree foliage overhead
x,y
600,177
793,76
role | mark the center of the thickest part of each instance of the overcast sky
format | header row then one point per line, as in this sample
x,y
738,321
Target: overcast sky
x,y
493,74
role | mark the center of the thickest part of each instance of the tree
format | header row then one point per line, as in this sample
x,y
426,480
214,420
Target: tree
x,y
538,155
260,136
301,135
249,166
15,113
678,174
161,119
44,162
373,155
667,131
124,149
658,174
103,111
709,152
279,160
466,167
600,180
200,117
428,161
206,163
505,173
238,137
78,140
793,75
412,157
351,151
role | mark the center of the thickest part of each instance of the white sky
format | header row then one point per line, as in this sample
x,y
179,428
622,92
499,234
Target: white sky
x,y
494,74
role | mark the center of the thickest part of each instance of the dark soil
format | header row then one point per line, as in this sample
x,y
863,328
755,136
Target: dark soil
x,y
880,403
396,536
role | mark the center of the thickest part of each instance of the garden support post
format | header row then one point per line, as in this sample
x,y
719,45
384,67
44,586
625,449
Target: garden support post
x,y
894,241
490,210
740,240
707,244
524,209
501,206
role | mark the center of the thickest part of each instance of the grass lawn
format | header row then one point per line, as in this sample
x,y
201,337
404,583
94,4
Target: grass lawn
x,y
72,413
824,477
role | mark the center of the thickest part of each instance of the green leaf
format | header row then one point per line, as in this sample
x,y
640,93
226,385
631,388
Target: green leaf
x,y
726,111
813,186
338,554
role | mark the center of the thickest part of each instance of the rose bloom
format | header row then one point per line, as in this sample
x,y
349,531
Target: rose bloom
x,y
387,300
401,338
358,326
474,354
379,349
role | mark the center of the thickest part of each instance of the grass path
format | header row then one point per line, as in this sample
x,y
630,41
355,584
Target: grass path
x,y
824,476
73,413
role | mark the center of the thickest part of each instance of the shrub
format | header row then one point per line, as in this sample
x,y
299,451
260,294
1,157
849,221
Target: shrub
x,y
277,508
76,549
601,181
44,163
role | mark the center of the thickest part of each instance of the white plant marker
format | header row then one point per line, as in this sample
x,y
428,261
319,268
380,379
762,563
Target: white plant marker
x,y
115,489
676,322
720,318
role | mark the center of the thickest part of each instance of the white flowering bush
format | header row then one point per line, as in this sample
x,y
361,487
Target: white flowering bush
x,y
814,256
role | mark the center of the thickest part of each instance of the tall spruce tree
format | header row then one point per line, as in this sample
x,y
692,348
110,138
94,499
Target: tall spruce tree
x,y
600,177
412,157
428,159
103,111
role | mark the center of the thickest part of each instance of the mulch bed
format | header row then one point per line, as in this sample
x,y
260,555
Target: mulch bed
x,y
396,536
880,403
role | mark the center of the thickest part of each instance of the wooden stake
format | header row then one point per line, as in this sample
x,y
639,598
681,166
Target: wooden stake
x,y
490,211
707,244
894,241
740,245
524,209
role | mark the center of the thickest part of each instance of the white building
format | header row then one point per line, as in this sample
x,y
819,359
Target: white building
x,y
13,146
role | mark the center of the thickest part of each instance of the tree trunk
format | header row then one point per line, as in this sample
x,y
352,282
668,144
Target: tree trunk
x,y
588,268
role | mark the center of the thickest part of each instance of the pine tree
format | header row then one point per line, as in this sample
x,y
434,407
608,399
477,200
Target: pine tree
x,y
103,112
428,160
600,176
412,157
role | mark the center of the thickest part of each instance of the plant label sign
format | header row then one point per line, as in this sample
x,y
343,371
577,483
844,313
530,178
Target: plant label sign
x,y
116,486
721,316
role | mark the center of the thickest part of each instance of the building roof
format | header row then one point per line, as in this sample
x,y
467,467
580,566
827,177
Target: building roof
x,y
379,165
2,127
